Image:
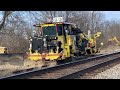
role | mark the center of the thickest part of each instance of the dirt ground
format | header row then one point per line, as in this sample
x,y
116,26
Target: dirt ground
x,y
7,68
110,49
10,65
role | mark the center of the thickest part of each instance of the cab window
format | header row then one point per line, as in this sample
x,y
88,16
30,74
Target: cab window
x,y
66,29
70,29
59,30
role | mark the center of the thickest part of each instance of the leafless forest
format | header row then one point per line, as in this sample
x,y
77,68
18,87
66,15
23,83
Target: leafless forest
x,y
17,26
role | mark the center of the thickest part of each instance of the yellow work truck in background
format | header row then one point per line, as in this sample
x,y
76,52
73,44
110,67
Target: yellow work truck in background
x,y
3,50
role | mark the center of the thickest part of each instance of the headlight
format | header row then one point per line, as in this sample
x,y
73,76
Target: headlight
x,y
45,45
44,39
54,38
30,39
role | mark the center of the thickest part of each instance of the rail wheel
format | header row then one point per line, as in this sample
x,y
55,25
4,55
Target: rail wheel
x,y
88,51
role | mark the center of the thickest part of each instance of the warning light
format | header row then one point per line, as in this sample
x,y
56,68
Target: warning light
x,y
58,19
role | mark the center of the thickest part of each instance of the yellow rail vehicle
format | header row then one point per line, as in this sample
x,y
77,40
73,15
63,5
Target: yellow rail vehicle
x,y
58,41
114,39
3,50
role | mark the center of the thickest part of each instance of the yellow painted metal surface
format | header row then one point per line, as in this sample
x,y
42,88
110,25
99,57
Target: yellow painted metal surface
x,y
50,56
3,50
70,41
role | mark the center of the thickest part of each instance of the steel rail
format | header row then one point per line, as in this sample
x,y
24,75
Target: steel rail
x,y
32,73
88,69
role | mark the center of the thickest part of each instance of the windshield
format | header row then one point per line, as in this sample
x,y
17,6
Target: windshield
x,y
49,30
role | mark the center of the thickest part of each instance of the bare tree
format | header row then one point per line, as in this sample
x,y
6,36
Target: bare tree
x,y
18,25
6,14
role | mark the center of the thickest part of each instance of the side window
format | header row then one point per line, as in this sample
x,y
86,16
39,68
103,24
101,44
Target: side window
x,y
71,30
67,30
59,29
37,31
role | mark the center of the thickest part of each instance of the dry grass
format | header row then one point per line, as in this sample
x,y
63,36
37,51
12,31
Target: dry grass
x,y
7,68
14,64
110,49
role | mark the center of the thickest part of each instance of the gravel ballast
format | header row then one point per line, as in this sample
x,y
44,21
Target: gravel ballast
x,y
112,73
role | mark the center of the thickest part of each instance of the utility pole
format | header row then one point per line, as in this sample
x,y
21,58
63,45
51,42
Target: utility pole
x,y
92,27
88,30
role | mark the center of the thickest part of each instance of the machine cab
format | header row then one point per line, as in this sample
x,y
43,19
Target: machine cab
x,y
54,37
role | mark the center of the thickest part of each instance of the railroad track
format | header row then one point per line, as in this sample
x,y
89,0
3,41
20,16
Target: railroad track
x,y
68,70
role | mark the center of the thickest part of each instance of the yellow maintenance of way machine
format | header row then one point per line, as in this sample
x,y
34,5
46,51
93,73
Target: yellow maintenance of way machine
x,y
114,39
60,40
3,50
